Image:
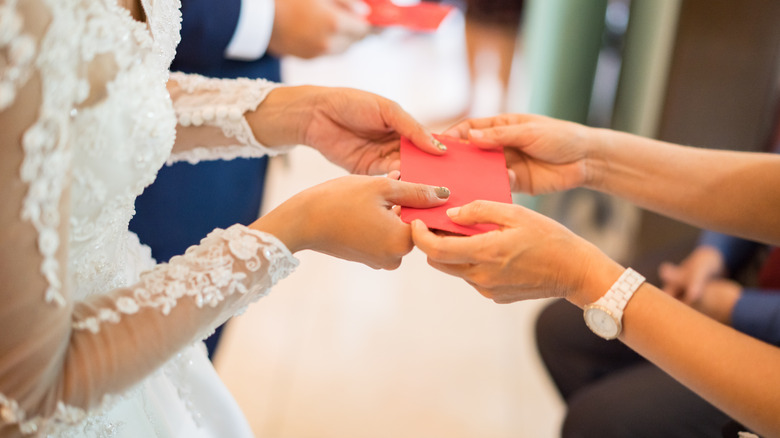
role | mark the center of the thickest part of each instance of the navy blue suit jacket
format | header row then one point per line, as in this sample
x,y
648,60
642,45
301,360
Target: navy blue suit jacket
x,y
186,201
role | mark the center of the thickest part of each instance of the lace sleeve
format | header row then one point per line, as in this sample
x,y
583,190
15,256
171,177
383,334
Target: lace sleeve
x,y
60,355
211,119
92,349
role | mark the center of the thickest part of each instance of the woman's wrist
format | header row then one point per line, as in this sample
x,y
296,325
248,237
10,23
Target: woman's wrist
x,y
598,146
597,273
286,224
281,118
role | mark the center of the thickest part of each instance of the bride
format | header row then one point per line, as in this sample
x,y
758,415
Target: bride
x,y
95,340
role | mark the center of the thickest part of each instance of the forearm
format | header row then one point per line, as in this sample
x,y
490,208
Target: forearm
x,y
733,371
732,192
757,313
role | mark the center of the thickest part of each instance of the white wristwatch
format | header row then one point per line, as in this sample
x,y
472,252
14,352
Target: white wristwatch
x,y
605,316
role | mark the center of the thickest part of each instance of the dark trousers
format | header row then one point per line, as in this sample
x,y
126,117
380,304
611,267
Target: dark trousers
x,y
611,391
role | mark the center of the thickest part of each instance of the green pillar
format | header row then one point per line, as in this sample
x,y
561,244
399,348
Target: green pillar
x,y
647,55
562,43
561,40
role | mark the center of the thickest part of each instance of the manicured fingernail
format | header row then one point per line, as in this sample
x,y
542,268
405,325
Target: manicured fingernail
x,y
475,133
439,145
453,211
442,192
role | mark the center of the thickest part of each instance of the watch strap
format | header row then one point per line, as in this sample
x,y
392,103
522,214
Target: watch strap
x,y
618,295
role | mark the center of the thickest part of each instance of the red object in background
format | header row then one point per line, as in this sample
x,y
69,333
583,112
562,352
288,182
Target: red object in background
x,y
420,17
769,273
469,172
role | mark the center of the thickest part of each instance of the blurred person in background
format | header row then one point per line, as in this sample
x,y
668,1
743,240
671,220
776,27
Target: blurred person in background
x,y
491,28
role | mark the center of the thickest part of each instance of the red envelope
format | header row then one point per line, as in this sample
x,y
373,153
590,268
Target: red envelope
x,y
421,17
469,172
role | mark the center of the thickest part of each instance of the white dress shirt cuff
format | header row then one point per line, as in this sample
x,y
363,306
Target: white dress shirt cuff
x,y
253,31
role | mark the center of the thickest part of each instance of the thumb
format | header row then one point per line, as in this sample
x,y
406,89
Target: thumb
x,y
416,195
485,212
496,137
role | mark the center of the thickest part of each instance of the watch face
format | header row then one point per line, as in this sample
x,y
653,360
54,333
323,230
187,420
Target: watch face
x,y
601,322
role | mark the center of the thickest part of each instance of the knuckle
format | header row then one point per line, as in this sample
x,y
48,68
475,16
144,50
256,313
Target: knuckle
x,y
393,105
393,264
434,252
483,279
385,186
476,208
502,300
422,193
484,292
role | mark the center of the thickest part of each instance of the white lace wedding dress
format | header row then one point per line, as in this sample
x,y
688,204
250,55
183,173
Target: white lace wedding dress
x,y
95,340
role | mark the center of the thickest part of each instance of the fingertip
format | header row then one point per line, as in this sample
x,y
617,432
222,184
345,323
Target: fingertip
x,y
440,147
394,166
417,228
419,231
428,143
453,212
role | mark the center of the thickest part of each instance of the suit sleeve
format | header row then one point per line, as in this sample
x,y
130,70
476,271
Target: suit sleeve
x,y
757,313
736,251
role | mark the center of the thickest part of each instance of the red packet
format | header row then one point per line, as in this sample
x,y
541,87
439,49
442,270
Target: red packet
x,y
469,172
420,17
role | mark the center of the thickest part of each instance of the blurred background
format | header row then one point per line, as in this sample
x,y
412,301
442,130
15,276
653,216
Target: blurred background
x,y
340,350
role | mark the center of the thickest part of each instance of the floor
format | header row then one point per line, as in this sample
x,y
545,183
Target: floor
x,y
341,350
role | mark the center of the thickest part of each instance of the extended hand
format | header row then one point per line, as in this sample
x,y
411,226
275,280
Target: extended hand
x,y
361,131
530,256
717,299
351,218
309,28
354,129
687,280
543,154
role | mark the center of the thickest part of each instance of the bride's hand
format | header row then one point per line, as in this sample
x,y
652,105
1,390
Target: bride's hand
x,y
354,129
352,218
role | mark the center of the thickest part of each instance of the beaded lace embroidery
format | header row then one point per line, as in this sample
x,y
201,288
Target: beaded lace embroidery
x,y
207,274
228,101
102,153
